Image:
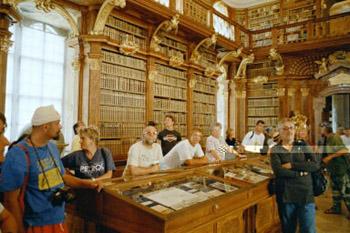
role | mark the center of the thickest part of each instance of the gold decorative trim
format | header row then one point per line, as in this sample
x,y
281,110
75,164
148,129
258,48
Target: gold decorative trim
x,y
128,46
44,5
152,75
94,63
275,56
207,42
176,60
5,43
241,94
281,91
103,14
167,26
192,83
291,91
260,79
304,91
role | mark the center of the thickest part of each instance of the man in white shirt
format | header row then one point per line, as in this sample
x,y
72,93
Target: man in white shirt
x,y
216,147
253,141
144,156
187,152
346,137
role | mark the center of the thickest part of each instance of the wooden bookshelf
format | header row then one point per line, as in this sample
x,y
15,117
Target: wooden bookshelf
x,y
197,12
170,96
122,101
262,104
119,29
263,17
204,104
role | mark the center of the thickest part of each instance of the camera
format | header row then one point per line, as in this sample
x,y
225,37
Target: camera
x,y
62,195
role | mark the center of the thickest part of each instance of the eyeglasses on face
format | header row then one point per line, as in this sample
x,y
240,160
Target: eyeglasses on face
x,y
151,133
285,128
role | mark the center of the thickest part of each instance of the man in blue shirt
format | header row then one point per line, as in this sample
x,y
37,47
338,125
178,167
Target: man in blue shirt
x,y
33,173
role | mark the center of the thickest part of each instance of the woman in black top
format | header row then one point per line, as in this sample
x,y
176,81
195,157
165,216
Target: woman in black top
x,y
230,139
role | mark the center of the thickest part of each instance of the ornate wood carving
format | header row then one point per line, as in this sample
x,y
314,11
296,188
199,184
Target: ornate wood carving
x,y
103,14
5,43
167,26
207,42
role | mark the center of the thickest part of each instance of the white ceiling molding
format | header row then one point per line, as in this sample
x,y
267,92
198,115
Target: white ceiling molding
x,y
245,3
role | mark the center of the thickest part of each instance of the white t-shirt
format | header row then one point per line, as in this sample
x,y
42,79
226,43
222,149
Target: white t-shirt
x,y
140,155
180,153
346,141
217,144
1,209
253,142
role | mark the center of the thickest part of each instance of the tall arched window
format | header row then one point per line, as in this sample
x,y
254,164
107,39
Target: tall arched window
x,y
221,26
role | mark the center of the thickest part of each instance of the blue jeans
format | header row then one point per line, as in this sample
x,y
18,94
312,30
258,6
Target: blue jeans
x,y
292,213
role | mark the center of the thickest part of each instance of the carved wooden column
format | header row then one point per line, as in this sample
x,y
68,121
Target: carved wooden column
x,y
91,82
241,115
7,16
281,93
318,105
191,82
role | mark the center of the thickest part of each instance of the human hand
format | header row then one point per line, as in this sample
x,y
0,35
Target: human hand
x,y
287,165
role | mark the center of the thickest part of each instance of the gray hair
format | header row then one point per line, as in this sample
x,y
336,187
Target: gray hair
x,y
216,124
282,122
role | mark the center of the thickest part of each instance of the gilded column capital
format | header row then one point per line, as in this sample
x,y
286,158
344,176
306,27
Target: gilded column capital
x,y
291,91
5,43
305,91
280,91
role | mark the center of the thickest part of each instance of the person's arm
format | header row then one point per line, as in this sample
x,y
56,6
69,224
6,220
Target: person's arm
x,y
139,171
215,154
307,166
337,154
75,182
8,222
196,161
107,175
278,169
11,201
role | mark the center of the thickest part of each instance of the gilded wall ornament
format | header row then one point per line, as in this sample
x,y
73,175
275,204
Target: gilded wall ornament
x,y
103,14
242,69
323,65
167,26
196,56
192,83
44,5
176,60
260,79
128,46
210,71
152,75
277,58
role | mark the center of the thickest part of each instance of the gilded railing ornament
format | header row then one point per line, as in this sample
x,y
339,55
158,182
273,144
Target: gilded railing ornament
x,y
167,26
277,58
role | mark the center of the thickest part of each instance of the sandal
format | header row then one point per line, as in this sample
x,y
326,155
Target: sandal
x,y
332,211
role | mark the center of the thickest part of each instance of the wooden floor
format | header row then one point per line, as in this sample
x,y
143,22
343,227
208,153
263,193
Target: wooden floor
x,y
327,223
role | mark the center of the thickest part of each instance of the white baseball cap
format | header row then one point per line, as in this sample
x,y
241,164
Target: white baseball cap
x,y
45,114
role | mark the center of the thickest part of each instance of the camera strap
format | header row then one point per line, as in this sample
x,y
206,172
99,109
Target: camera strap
x,y
41,165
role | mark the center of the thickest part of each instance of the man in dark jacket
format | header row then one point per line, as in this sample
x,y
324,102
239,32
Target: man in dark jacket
x,y
292,163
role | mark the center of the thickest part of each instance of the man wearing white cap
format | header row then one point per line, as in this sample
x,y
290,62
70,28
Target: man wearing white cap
x,y
33,177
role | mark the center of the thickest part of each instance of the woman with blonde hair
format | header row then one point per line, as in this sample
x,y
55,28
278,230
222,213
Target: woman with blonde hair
x,y
91,162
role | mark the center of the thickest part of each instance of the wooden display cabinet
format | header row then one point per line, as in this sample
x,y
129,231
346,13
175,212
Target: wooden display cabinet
x,y
184,200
